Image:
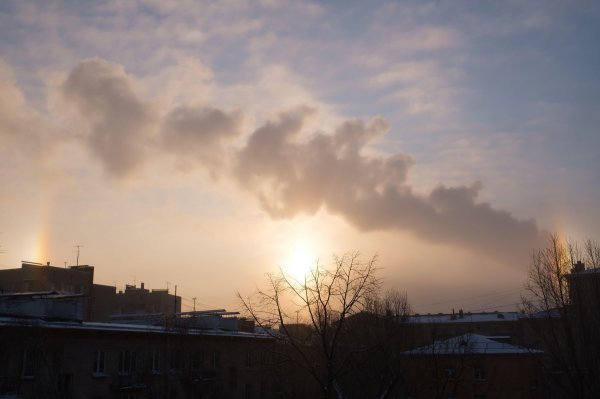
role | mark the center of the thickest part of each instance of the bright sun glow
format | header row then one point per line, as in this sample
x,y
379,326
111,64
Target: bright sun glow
x,y
300,261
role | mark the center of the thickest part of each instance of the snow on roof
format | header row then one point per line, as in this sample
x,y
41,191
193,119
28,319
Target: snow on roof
x,y
132,328
38,295
470,344
466,317
592,270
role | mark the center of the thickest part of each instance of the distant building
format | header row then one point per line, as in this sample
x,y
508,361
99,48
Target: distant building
x,y
100,302
584,287
473,366
140,300
36,277
429,327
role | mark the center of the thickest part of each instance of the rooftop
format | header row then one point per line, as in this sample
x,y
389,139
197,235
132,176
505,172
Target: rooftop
x,y
131,328
471,344
464,317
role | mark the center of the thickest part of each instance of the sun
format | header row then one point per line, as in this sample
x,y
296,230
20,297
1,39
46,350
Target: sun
x,y
300,261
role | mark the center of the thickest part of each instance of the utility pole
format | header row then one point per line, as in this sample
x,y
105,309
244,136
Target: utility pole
x,y
194,299
78,248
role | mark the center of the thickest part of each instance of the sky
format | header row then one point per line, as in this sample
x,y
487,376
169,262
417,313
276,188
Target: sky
x,y
204,144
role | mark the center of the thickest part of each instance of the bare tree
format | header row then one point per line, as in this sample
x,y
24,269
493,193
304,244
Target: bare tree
x,y
326,298
562,304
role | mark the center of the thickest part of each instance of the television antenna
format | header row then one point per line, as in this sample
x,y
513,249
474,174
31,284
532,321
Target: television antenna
x,y
78,249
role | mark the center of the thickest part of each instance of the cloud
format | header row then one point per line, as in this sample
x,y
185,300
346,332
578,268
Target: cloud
x,y
290,166
21,127
291,176
119,122
201,133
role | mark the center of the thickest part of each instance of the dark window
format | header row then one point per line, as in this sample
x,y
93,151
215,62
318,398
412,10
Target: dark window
x,y
249,393
126,362
479,373
263,389
216,359
64,385
450,373
156,361
176,360
197,360
99,362
28,369
233,377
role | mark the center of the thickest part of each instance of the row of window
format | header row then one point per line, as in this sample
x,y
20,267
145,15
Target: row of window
x,y
450,373
128,361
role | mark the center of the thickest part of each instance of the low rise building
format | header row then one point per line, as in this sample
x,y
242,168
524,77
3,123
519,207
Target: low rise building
x,y
72,359
473,366
140,300
100,302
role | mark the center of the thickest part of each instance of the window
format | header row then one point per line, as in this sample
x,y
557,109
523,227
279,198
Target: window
x,y
249,359
156,361
233,380
126,362
197,360
64,385
249,393
99,362
480,373
450,373
263,389
28,369
216,359
175,361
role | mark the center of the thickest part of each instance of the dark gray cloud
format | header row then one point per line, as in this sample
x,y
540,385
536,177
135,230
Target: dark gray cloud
x,y
120,122
201,133
124,128
291,175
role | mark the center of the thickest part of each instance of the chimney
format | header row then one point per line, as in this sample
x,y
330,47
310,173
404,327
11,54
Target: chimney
x,y
578,267
48,263
142,286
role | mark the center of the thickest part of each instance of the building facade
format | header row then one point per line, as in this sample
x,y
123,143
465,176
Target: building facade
x,y
50,359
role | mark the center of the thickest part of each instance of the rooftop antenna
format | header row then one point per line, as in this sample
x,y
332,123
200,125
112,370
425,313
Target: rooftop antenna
x,y
78,248
175,304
